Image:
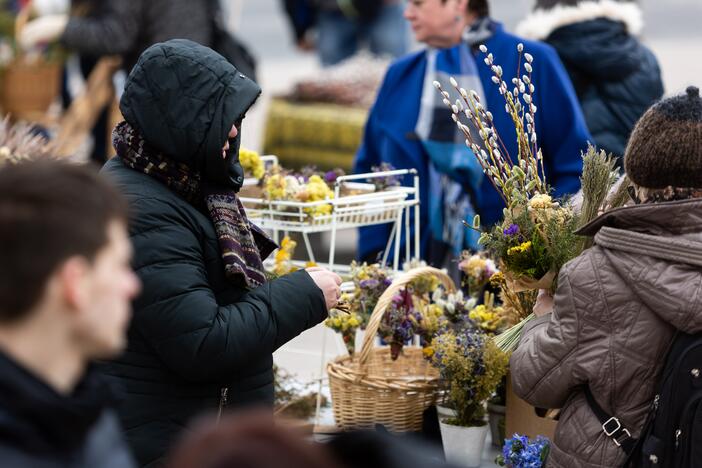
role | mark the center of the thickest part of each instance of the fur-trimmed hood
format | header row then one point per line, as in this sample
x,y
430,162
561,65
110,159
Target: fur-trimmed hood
x,y
541,23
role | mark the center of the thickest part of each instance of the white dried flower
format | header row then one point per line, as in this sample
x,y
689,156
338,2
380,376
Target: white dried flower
x,y
529,118
487,61
445,94
520,47
469,114
447,102
454,109
495,80
533,137
529,58
453,82
528,68
459,104
483,49
522,88
533,108
437,85
464,93
455,118
474,95
489,115
527,98
531,88
526,79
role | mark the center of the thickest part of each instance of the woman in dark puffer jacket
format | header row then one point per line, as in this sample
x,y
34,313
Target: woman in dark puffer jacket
x,y
616,78
207,321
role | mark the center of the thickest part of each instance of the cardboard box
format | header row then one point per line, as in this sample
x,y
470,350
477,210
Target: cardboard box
x,y
524,419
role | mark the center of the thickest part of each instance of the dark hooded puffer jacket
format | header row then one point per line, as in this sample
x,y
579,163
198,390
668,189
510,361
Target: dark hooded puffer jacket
x,y
193,332
616,78
617,308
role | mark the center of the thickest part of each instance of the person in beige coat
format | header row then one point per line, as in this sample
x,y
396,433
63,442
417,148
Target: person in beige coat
x,y
618,305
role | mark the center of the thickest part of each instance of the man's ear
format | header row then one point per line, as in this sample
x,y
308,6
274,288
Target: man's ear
x,y
72,278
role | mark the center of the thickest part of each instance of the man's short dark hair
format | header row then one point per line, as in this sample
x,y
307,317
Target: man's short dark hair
x,y
49,212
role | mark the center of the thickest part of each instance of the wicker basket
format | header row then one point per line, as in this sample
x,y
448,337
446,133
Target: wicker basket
x,y
369,388
29,85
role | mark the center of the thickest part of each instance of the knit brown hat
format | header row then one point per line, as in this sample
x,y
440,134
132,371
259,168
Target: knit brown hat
x,y
665,147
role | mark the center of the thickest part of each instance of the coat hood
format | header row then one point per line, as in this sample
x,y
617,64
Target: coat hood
x,y
184,98
539,24
657,249
597,38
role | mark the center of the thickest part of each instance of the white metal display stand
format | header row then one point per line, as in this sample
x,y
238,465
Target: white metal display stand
x,y
368,208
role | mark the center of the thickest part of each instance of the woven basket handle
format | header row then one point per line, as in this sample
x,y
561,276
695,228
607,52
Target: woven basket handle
x,y
386,299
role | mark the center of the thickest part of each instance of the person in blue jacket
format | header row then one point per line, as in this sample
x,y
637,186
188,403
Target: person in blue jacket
x,y
409,126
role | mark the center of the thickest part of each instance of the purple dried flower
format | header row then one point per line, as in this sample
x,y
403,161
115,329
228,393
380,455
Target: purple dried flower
x,y
512,230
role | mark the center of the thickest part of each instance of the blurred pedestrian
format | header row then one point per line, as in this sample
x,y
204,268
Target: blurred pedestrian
x,y
65,291
345,26
255,440
410,127
209,320
615,76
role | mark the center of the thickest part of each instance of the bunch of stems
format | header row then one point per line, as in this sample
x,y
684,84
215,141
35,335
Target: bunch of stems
x,y
513,178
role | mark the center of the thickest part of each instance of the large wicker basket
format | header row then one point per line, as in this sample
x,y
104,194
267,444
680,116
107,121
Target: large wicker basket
x,y
370,388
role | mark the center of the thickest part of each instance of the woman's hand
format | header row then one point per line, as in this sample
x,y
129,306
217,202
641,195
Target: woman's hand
x,y
544,303
328,282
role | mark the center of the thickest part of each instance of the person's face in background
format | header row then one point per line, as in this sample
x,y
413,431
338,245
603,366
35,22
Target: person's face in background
x,y
437,23
102,295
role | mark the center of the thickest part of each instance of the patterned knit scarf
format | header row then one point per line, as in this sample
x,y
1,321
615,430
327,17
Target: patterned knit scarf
x,y
243,245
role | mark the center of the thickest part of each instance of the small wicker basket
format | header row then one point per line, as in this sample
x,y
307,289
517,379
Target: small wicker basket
x,y
370,388
28,86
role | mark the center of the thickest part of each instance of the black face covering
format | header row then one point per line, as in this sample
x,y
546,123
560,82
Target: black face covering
x,y
226,172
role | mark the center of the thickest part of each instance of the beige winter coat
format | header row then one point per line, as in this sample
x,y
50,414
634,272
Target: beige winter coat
x,y
616,310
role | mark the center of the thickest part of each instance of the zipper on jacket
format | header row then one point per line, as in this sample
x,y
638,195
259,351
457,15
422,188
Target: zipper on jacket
x,y
222,402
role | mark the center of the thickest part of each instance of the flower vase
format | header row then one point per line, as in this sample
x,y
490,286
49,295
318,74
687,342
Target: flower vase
x,y
497,424
463,446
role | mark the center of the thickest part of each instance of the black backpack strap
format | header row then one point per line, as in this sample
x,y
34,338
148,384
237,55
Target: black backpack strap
x,y
611,425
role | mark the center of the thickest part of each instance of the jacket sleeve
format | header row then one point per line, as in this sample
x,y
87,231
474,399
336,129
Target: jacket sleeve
x,y
561,125
194,335
112,31
543,365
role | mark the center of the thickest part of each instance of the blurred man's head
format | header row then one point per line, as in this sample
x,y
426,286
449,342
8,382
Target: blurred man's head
x,y
65,258
439,23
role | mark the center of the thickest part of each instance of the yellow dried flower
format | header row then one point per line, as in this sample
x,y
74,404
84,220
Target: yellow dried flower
x,y
523,247
251,163
541,202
